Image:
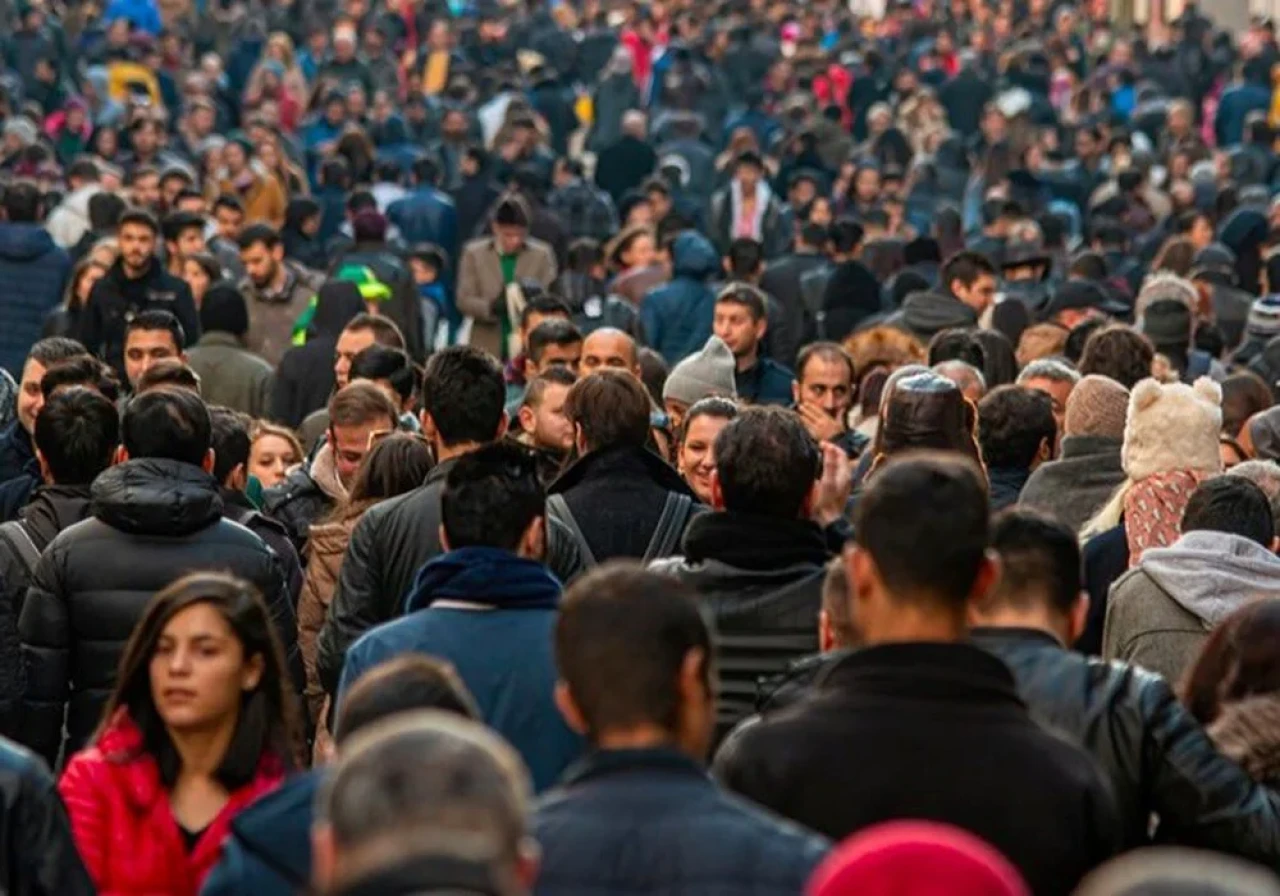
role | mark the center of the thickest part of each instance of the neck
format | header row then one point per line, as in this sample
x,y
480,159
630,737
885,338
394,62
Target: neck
x,y
449,452
1035,616
202,750
277,281
747,361
645,736
913,622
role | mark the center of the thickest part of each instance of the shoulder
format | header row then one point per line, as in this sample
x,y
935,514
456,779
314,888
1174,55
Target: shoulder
x,y
477,246
539,247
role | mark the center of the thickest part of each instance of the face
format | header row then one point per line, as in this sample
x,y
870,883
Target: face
x,y
262,264
697,458
145,140
748,177
510,239
30,398
270,459
350,344
199,672
351,444
196,278
820,213
191,242
143,348
979,295
604,349
1201,232
137,246
739,330
146,191
547,423
567,356
1058,392
826,384
867,184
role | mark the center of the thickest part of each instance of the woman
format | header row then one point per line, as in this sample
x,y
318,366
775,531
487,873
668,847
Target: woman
x,y
273,452
201,724
65,319
273,157
199,271
695,454
632,254
105,144
398,463
301,233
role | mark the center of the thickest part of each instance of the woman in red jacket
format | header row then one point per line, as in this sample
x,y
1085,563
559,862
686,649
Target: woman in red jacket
x,y
201,723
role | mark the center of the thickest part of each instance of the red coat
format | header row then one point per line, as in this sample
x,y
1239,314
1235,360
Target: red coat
x,y
122,823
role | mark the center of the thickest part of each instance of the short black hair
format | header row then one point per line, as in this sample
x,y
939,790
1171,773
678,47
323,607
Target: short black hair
x,y
956,344
52,349
380,362
105,211
1013,422
745,257
80,370
1039,559
431,255
584,254
229,201
512,211
403,684
169,424
425,170
938,500
491,496
551,332
1230,504
22,201
141,217
168,372
746,295
156,319
544,304
384,329
229,439
177,223
554,376
622,638
966,266
846,234
77,432
464,394
259,233
767,463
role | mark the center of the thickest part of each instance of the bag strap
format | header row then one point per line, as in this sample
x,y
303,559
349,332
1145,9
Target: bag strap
x,y
666,535
16,534
558,507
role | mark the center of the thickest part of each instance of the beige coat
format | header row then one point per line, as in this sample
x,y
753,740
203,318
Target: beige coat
x,y
480,284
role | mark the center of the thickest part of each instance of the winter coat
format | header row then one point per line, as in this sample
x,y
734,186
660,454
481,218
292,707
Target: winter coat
x,y
304,379
427,215
1076,485
585,210
231,375
308,493
1248,732
965,97
935,732
481,286
782,279
124,828
925,314
152,522
273,315
622,821
237,507
766,382
624,165
613,97
264,201
775,224
33,278
70,220
117,298
1005,484
268,851
1234,107
677,317
851,296
325,549
17,454
1160,613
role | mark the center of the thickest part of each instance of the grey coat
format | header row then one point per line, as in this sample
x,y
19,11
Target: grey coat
x,y
230,374
1076,485
480,285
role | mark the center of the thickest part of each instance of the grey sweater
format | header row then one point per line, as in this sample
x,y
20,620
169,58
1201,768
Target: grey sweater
x,y
1076,485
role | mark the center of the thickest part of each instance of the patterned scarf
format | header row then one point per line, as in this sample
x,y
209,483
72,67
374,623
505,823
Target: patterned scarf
x,y
1153,509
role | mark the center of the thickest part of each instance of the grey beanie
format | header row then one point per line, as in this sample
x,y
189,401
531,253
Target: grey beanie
x,y
704,374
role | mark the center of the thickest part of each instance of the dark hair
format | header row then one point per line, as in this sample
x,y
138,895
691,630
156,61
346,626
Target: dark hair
x,y
259,233
999,361
746,295
52,349
1238,660
155,319
431,255
1073,349
956,344
394,465
1230,504
967,267
425,171
22,200
622,638
846,234
512,211
1013,423
229,438
268,719
385,332
551,332
553,376
378,362
827,351
80,370
464,395
77,432
1120,353
402,684
1243,394
105,211
168,372
177,223
745,257
544,304
767,463
229,201
141,217
491,496
612,407
171,424
938,500
584,254
714,406
1039,560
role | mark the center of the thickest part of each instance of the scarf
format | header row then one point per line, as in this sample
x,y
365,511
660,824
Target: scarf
x,y
488,576
763,194
1153,509
753,541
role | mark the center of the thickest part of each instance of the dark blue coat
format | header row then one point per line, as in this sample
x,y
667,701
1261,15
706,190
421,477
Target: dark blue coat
x,y
1234,107
17,456
767,382
427,216
33,277
651,821
268,852
677,317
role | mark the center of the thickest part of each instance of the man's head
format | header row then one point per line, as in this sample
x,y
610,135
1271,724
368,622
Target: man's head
x,y
105,211
538,311
741,319
224,310
22,202
1232,505
137,232
971,278
43,355
492,498
553,343
634,659
231,446
183,235
511,225
836,630
1055,379
167,424
168,373
228,215
745,259
766,464
609,349
151,336
608,409
542,413
463,399
356,412
824,379
1016,428
391,370
76,437
362,331
262,253
404,684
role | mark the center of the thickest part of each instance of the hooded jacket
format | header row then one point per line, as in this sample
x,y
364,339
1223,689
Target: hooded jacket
x,y
1076,485
153,521
925,314
304,378
70,220
677,317
1161,611
33,278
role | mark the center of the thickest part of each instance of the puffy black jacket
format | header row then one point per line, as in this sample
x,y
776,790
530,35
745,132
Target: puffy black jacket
x,y
116,298
153,522
40,857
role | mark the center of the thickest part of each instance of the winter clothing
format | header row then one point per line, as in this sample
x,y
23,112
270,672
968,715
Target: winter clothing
x,y
17,454
624,165
852,295
304,378
482,287
117,297
70,220
309,492
765,382
1075,485
622,821
427,215
782,279
273,313
702,375
1097,407
1172,427
268,851
585,210
325,547
925,314
33,278
42,859
490,614
1153,509
1161,611
678,316
230,375
773,229
1248,732
1005,484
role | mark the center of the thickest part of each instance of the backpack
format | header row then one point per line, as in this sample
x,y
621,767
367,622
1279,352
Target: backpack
x,y
666,535
16,535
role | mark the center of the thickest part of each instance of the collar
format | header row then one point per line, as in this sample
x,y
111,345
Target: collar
x,y
219,337
994,634
928,670
602,763
426,874
1089,446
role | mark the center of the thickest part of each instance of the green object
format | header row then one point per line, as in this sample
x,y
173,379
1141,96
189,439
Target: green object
x,y
371,288
253,491
508,263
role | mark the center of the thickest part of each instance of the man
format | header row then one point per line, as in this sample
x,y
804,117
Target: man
x,y
1161,611
17,456
137,282
626,163
552,343
741,321
228,221
678,316
105,210
619,499
823,396
1017,433
537,310
1077,300
151,337
585,210
1056,380
1166,312
970,283
183,237
1158,759
748,207
277,291
757,562
232,376
938,720
783,278
543,424
425,214
156,515
33,273
70,219
356,411
610,349
636,678
488,606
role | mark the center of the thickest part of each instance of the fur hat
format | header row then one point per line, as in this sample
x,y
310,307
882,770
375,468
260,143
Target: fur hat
x,y
1172,427
1096,407
706,373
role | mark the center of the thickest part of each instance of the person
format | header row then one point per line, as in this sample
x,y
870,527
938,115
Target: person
x,y
678,316
543,425
741,321
492,510
757,562
634,659
200,724
268,852
273,452
1119,353
426,214
553,343
586,210
149,338
1172,869
1161,611
708,373
392,371
1056,380
230,374
747,207
136,282
878,707
618,499
823,394
969,283
156,514
304,379
1165,312
425,802
276,291
1017,434
33,270
782,279
1076,484
921,410
697,432
355,412
624,164
64,320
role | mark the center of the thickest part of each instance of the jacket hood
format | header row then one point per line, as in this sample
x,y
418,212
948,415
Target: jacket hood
x,y
337,302
53,508
1211,574
156,497
693,256
621,461
931,312
484,575
1249,733
24,242
324,473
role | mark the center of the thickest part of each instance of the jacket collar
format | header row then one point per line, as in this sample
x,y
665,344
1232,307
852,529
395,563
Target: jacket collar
x,y
219,337
1000,635
662,760
1089,446
622,461
931,671
427,874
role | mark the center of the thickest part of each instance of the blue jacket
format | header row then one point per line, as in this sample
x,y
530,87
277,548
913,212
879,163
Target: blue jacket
x,y
652,822
33,277
677,316
497,633
143,14
1234,107
427,216
768,382
268,852
17,455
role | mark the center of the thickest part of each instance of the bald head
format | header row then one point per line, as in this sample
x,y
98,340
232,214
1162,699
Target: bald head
x,y
610,349
634,124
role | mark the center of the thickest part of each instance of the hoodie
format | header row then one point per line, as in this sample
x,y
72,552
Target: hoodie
x,y
677,317
33,278
925,314
70,220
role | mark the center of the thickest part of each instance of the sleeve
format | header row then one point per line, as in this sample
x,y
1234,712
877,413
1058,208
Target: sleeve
x,y
185,311
354,609
311,614
449,233
649,323
81,791
55,867
276,592
470,302
45,629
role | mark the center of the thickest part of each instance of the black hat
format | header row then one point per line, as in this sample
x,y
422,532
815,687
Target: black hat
x,y
224,310
1020,254
1081,294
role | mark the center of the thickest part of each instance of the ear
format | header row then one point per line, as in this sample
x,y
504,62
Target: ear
x,y
238,478
502,426
717,494
694,681
569,708
209,459
429,428
579,439
252,675
762,327
444,540
525,417
533,544
826,636
1078,618
986,579
795,393
278,252
122,454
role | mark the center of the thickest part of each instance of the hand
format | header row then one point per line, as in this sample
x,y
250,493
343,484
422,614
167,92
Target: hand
x,y
832,490
821,425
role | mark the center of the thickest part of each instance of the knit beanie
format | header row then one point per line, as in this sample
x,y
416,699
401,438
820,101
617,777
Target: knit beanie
x,y
224,310
1264,318
703,374
1097,407
1165,286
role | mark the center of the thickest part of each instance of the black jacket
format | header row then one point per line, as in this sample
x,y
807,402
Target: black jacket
x,y
782,279
852,295
402,307
295,504
40,857
17,456
116,299
1159,760
935,732
237,508
152,522
304,377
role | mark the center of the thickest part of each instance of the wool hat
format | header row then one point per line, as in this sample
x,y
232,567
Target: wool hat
x,y
224,310
1172,426
706,373
1164,286
1097,406
1264,318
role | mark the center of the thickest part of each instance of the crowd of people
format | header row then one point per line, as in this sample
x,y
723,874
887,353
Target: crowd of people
x,y
653,448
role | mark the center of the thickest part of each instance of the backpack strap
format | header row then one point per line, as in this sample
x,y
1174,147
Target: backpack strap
x,y
666,535
16,535
558,507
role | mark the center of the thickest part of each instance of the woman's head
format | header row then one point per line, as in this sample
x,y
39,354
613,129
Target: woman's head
x,y
86,273
1238,660
397,463
206,657
634,248
199,271
695,454
273,452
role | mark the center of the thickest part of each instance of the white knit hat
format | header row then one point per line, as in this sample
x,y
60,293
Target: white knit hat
x,y
703,374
